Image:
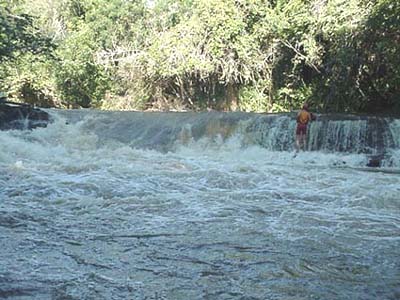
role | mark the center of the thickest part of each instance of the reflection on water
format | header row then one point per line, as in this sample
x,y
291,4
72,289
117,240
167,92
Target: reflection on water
x,y
85,218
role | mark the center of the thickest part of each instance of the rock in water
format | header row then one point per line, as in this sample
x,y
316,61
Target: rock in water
x,y
20,116
375,161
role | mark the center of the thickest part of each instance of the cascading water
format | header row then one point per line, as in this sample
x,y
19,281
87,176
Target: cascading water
x,y
129,205
330,134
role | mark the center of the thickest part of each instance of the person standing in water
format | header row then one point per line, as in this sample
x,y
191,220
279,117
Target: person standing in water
x,y
303,118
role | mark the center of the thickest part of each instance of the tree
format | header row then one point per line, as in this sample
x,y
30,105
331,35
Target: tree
x,y
23,46
379,60
253,55
209,53
18,35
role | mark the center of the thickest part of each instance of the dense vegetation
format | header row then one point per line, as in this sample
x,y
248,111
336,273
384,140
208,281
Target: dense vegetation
x,y
252,55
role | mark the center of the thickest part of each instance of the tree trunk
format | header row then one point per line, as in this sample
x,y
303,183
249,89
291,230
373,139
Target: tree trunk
x,y
232,97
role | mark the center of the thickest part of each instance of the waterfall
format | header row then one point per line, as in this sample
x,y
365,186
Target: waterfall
x,y
394,128
376,137
134,205
275,132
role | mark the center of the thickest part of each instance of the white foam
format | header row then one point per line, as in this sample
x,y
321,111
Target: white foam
x,y
90,198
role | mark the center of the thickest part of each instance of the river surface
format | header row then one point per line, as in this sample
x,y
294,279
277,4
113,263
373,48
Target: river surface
x,y
87,216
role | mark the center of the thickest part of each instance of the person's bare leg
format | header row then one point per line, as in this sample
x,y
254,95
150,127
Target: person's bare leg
x,y
303,142
298,142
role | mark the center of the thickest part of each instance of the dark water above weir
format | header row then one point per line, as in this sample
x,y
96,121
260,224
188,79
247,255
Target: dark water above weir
x,y
118,205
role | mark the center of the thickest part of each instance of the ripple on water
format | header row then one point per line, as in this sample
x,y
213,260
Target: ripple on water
x,y
105,221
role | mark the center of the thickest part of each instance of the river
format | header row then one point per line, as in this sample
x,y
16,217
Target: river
x,y
103,205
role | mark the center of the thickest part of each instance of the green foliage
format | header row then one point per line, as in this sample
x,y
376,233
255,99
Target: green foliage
x,y
18,35
113,22
252,55
25,53
252,99
29,78
359,70
79,79
209,49
380,57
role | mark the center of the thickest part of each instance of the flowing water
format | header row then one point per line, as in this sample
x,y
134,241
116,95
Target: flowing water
x,y
103,205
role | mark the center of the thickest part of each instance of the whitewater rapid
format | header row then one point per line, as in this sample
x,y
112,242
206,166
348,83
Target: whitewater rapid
x,y
85,214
